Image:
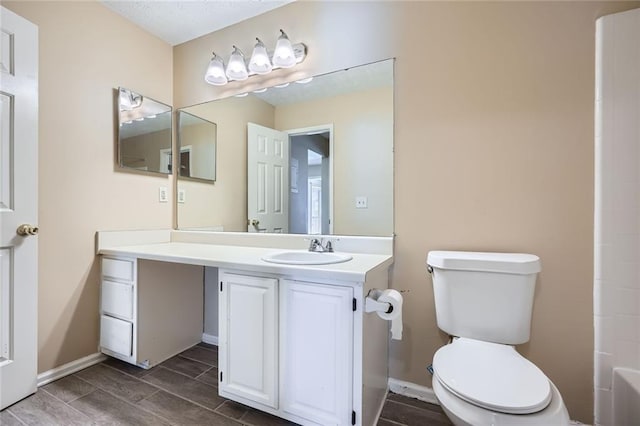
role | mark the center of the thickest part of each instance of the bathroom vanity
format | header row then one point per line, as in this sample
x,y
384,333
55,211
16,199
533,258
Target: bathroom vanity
x,y
294,340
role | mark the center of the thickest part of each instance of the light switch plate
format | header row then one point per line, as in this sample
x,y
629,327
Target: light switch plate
x,y
361,202
182,196
163,194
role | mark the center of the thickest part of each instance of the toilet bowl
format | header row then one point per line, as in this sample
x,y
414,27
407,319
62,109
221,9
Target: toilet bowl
x,y
484,302
483,383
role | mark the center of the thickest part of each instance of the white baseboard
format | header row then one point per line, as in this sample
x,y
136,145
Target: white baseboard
x,y
69,368
210,339
412,390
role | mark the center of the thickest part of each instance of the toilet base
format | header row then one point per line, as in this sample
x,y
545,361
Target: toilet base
x,y
462,413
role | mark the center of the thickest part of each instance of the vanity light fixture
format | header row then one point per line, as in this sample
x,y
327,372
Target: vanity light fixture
x,y
237,68
260,62
215,72
285,55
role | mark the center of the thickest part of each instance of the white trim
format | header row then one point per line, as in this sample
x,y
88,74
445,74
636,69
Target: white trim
x,y
412,390
69,368
210,339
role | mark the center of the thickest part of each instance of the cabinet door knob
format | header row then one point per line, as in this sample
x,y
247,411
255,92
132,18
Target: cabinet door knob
x,y
25,230
255,222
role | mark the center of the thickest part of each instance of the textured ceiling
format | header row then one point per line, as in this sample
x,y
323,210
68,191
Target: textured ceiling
x,y
176,21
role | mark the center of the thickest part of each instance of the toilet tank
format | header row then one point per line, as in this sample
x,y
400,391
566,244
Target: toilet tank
x,y
484,296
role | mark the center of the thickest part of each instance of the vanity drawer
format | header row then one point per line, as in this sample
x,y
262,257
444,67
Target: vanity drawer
x,y
117,299
116,335
118,269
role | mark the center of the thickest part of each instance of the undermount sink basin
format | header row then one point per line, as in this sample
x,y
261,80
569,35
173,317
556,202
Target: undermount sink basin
x,y
306,258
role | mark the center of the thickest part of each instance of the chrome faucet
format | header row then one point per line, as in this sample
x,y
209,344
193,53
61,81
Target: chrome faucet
x,y
316,245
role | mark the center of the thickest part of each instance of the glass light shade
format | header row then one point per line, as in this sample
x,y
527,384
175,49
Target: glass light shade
x,y
284,56
215,72
236,68
260,62
129,100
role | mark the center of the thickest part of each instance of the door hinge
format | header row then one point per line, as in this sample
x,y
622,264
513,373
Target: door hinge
x,y
221,376
220,285
355,304
353,414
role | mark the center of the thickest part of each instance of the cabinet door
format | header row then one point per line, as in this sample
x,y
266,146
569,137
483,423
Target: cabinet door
x,y
248,360
316,351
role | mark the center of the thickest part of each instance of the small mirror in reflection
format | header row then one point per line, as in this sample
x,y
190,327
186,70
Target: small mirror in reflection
x,y
144,133
197,146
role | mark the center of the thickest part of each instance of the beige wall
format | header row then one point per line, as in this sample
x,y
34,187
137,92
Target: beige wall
x,y
493,148
85,52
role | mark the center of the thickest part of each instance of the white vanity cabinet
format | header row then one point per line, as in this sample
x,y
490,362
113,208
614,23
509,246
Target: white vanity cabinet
x,y
149,311
287,347
294,340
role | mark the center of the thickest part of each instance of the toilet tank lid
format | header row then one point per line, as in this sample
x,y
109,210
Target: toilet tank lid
x,y
510,263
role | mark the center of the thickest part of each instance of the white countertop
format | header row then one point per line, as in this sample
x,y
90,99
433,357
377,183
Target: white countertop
x,y
250,259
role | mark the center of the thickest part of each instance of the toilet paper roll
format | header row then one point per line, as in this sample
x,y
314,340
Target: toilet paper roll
x,y
394,298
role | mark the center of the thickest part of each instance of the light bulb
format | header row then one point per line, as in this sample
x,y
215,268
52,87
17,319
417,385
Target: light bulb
x,y
215,71
284,56
237,69
260,63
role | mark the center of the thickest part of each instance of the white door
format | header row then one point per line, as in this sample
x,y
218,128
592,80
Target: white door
x,y
316,351
18,206
248,356
267,179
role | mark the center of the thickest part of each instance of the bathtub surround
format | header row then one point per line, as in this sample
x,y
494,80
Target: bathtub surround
x,y
617,207
493,139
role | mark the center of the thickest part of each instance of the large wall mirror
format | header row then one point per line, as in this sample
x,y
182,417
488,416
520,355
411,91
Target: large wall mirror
x,y
144,133
314,157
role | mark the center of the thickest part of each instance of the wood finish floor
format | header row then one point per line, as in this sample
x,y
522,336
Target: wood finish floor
x,y
180,391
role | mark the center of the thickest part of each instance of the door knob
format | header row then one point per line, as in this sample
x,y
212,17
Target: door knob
x,y
255,222
25,230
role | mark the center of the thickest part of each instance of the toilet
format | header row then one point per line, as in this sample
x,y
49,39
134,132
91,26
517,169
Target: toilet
x,y
484,301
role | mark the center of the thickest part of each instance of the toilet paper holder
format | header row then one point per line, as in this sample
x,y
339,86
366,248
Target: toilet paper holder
x,y
371,303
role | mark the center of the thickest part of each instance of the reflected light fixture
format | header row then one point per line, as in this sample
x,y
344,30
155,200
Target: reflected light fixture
x,y
285,55
129,100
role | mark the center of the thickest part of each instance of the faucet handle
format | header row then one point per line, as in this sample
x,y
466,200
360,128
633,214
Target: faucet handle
x,y
314,243
329,246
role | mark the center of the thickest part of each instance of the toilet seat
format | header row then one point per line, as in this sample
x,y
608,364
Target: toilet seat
x,y
492,376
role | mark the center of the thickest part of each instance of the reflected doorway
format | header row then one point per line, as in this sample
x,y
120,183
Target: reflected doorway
x,y
310,195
